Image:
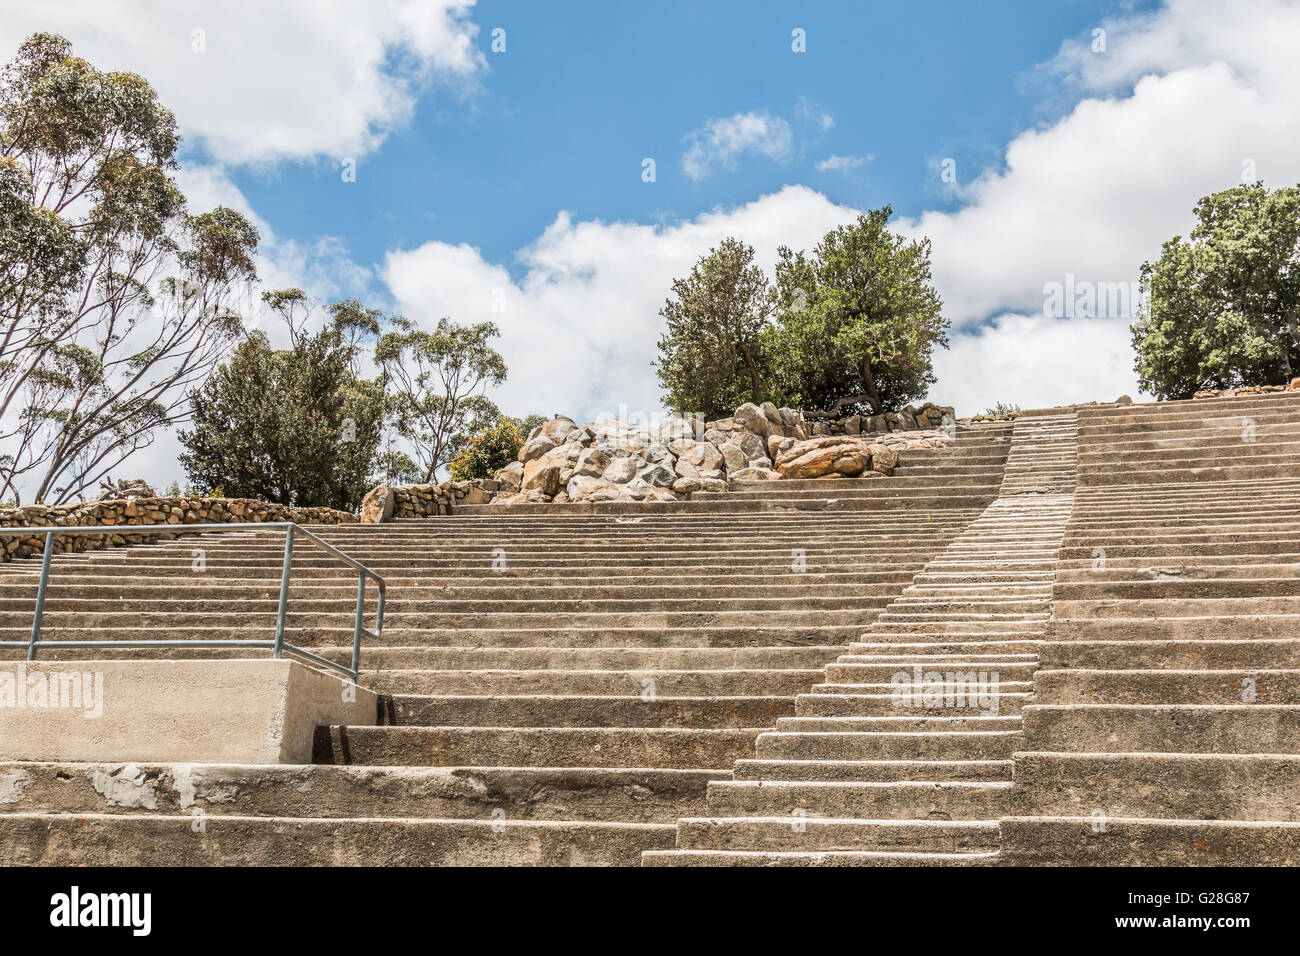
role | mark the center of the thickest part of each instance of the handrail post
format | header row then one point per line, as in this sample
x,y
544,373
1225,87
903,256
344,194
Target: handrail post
x,y
356,630
40,596
284,590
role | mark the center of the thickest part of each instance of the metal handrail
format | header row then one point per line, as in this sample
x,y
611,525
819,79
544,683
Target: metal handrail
x,y
278,645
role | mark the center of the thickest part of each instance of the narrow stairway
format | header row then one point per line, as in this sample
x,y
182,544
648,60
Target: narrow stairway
x,y
902,754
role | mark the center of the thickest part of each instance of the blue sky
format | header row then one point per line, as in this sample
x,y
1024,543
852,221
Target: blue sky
x,y
586,90
508,186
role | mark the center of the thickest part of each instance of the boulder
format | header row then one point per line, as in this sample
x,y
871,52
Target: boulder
x,y
542,475
510,477
621,470
825,456
756,473
558,428
883,458
751,418
377,505
536,448
588,488
753,445
657,476
733,457
685,486
591,463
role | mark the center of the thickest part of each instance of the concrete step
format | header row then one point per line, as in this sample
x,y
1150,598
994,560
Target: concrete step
x,y
657,747
1161,728
803,834
51,839
327,791
699,712
1078,686
892,800
1078,841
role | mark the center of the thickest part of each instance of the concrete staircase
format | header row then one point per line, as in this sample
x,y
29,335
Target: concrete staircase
x,y
1165,727
901,755
733,680
561,682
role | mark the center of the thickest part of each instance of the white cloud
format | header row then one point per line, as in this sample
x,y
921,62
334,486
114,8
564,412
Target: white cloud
x,y
289,80
719,142
1090,196
1096,193
842,164
581,325
1035,362
807,110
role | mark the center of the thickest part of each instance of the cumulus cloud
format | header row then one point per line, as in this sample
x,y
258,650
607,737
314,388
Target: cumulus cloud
x,y
256,82
1095,194
842,164
1081,202
580,325
719,142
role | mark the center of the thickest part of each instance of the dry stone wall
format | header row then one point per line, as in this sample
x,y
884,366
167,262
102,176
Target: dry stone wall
x,y
124,516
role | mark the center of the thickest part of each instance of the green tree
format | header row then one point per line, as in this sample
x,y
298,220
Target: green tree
x,y
1222,307
484,454
712,356
857,321
435,384
295,426
114,300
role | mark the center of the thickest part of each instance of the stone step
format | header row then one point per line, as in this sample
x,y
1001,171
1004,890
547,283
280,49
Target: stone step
x,y
1174,654
324,790
51,839
657,747
813,834
1078,686
700,712
895,800
1077,841
813,858
1160,728
881,771
939,745
655,682
821,703
1161,785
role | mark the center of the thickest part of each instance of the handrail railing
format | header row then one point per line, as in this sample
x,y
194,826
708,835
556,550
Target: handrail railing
x,y
278,644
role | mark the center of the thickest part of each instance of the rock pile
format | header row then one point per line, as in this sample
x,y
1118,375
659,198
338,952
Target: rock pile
x,y
620,460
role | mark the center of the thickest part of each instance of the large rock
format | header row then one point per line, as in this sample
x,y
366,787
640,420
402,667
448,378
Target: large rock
x,y
826,456
542,475
587,488
883,458
734,458
753,445
751,418
591,463
621,470
536,448
510,477
377,505
558,428
657,476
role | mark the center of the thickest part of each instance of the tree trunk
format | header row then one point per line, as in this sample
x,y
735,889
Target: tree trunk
x,y
872,392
